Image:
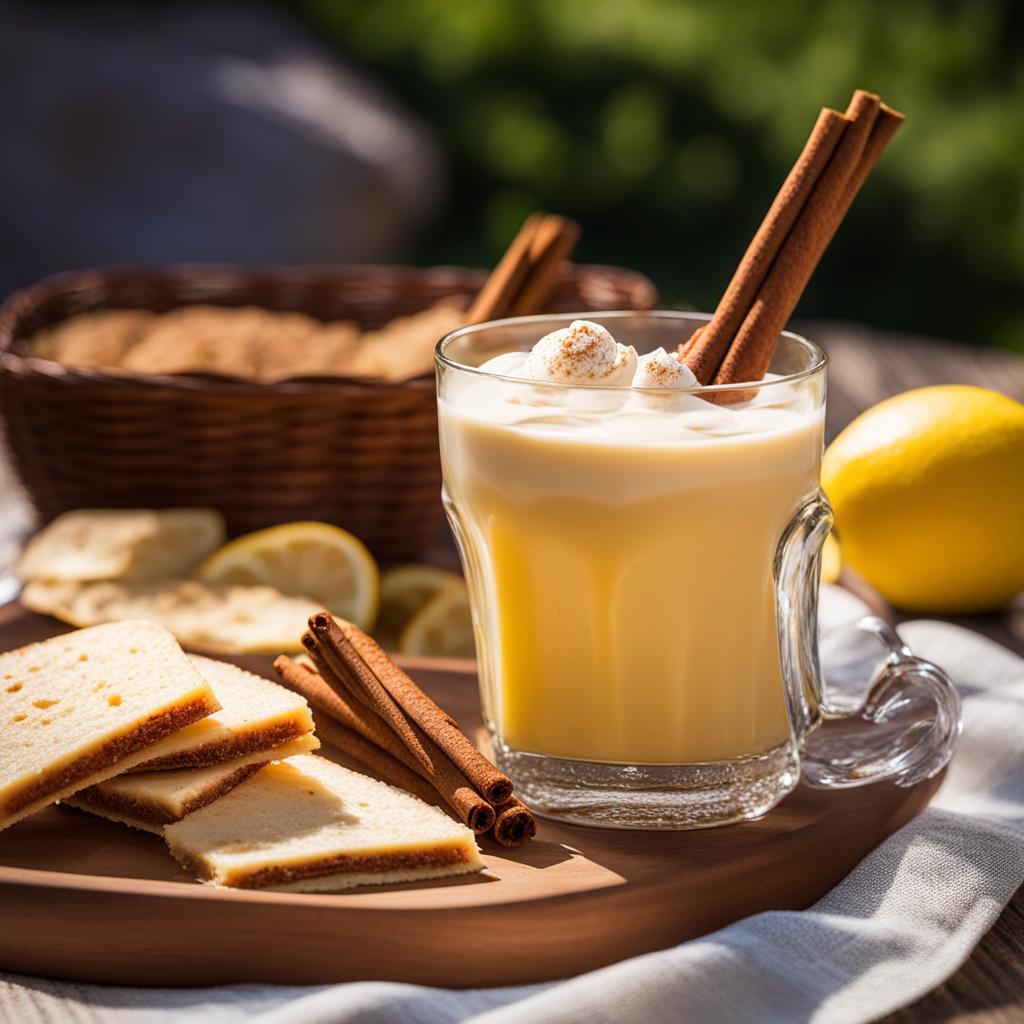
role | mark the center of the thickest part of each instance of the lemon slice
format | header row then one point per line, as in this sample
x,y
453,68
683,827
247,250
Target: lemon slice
x,y
831,560
313,560
403,592
442,628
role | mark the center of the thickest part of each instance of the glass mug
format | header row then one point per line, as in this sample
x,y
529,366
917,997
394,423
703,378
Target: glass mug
x,y
643,574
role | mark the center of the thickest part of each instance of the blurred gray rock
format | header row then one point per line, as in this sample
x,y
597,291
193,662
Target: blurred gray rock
x,y
215,131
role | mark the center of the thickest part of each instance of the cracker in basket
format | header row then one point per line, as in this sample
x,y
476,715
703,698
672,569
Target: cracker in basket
x,y
249,342
328,351
404,348
224,618
92,339
218,339
135,544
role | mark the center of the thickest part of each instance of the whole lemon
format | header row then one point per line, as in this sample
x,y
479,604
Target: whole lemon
x,y
928,490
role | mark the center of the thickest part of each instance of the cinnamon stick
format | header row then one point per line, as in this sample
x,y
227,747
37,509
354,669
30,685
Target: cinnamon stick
x,y
526,275
354,645
738,343
553,241
340,693
319,689
887,123
326,698
514,824
752,348
508,275
324,690
347,693
360,681
446,780
705,358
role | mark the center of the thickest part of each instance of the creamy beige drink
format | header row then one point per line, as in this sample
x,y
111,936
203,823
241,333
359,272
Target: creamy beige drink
x,y
619,542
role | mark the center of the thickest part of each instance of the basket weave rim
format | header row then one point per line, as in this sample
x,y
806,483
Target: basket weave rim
x,y
15,306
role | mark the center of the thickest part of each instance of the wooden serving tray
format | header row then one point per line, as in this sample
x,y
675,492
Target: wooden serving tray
x,y
89,900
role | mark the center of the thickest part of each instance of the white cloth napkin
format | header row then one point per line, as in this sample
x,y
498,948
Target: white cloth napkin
x,y
898,926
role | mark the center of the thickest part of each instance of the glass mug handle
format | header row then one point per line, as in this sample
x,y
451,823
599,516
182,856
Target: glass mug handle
x,y
907,725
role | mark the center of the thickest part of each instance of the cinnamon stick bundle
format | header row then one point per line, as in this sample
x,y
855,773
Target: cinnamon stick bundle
x,y
353,676
553,240
439,774
737,344
527,274
359,657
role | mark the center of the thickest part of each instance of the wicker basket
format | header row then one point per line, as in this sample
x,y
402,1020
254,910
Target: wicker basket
x,y
359,453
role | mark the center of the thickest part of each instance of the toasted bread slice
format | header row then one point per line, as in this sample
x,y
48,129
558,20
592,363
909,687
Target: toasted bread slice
x,y
80,708
307,824
131,544
150,800
255,716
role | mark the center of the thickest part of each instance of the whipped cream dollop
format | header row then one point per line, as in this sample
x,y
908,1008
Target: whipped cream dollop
x,y
582,353
660,369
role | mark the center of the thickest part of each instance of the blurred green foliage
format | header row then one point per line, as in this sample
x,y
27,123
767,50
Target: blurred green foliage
x,y
665,128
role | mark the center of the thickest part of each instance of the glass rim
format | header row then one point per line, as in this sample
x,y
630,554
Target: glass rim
x,y
441,359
